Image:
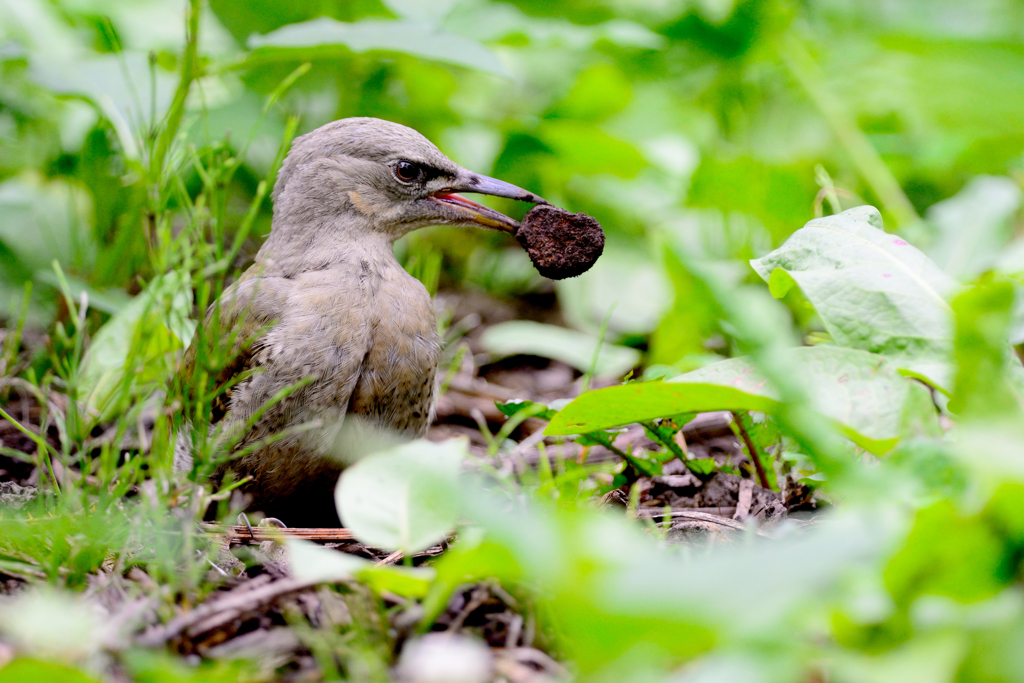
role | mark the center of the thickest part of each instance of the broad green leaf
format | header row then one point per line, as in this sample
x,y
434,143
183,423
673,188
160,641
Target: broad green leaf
x,y
42,221
948,554
402,499
115,83
538,410
932,657
550,341
974,225
320,36
156,322
873,290
24,670
864,393
312,562
642,401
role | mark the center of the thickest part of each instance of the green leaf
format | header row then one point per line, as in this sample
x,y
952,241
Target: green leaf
x,y
864,393
551,341
873,290
974,225
701,466
948,554
42,221
23,670
401,499
320,36
312,562
539,410
114,83
985,363
155,323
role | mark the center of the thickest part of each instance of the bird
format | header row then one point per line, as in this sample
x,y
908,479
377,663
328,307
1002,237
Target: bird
x,y
328,312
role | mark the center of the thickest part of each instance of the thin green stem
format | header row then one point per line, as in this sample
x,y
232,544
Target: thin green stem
x,y
869,163
41,445
189,69
597,351
755,457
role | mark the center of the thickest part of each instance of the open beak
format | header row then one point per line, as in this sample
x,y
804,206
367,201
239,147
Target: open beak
x,y
478,213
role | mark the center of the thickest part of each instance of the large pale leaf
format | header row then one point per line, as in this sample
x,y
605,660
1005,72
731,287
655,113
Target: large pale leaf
x,y
411,38
311,562
131,92
550,341
864,393
43,221
974,225
873,290
402,499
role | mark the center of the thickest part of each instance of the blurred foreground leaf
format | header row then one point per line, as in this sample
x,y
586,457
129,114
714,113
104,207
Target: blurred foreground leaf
x,y
312,562
401,499
25,670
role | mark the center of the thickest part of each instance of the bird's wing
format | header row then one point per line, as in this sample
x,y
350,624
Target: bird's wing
x,y
226,345
312,330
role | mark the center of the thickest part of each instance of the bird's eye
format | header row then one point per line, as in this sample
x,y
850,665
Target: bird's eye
x,y
408,172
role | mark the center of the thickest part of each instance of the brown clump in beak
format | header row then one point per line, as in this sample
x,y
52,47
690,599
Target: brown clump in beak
x,y
560,244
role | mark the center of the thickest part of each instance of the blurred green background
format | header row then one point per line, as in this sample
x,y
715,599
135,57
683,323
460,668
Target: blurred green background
x,y
711,123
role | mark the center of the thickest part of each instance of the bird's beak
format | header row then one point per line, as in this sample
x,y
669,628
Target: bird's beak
x,y
477,213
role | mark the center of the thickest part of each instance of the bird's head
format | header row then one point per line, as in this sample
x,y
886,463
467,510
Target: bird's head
x,y
372,176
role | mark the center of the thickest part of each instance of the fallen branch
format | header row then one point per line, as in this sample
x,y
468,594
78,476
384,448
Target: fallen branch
x,y
242,534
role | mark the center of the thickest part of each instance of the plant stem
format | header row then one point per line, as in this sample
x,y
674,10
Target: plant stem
x,y
177,108
762,476
41,445
654,431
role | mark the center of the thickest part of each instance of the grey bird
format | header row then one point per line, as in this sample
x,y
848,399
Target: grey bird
x,y
327,303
